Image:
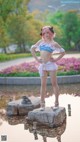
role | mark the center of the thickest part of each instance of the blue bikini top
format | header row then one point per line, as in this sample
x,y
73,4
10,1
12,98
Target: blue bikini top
x,y
46,47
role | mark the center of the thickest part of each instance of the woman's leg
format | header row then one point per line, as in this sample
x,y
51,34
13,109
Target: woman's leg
x,y
55,87
43,88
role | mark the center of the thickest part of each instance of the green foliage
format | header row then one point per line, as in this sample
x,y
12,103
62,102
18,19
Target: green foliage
x,y
21,74
22,30
56,18
36,74
70,28
8,7
18,26
67,29
68,73
7,57
17,10
4,37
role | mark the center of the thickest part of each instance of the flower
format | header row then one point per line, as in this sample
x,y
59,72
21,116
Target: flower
x,y
64,64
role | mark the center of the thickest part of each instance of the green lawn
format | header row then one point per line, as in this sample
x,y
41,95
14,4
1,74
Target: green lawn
x,y
7,57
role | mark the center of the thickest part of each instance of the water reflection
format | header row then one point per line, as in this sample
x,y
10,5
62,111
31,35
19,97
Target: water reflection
x,y
3,116
35,90
44,131
15,120
69,110
17,129
8,93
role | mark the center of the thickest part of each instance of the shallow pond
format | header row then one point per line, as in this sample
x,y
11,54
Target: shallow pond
x,y
15,128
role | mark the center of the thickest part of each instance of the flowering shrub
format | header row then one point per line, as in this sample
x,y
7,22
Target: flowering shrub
x,y
68,64
64,65
24,67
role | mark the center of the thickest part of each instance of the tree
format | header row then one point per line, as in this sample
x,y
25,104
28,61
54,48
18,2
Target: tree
x,y
8,8
70,27
55,18
22,29
4,37
67,28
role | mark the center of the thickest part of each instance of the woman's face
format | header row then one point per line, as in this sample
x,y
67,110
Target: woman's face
x,y
47,34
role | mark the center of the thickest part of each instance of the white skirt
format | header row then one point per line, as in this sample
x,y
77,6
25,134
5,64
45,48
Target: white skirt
x,y
49,66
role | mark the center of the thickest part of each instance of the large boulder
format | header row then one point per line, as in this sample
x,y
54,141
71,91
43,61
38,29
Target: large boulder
x,y
50,117
22,106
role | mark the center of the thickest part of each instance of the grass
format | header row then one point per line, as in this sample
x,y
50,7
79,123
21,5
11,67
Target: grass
x,y
7,57
21,74
36,74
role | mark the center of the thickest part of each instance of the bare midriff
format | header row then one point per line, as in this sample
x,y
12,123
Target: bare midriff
x,y
45,56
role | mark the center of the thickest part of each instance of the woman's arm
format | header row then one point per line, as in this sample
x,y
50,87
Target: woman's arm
x,y
33,51
60,51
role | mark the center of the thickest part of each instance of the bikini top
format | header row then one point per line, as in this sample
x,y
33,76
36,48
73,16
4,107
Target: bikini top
x,y
46,47
49,48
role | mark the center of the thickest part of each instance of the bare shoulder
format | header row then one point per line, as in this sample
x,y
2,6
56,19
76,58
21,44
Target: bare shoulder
x,y
37,44
58,47
55,44
33,47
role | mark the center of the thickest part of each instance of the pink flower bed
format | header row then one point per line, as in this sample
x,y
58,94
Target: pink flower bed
x,y
65,64
69,64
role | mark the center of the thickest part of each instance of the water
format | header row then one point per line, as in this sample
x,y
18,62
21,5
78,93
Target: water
x,y
15,128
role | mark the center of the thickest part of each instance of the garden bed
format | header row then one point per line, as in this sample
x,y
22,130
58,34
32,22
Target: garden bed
x,y
66,66
27,73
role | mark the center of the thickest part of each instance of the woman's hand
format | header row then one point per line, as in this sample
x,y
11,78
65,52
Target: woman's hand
x,y
39,60
52,59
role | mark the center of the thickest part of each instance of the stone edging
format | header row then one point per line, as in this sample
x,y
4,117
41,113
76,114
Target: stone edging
x,y
36,80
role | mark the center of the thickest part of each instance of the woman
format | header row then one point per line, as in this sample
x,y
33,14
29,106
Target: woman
x,y
47,46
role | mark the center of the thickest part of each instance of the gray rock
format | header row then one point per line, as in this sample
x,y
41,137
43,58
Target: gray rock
x,y
22,106
50,117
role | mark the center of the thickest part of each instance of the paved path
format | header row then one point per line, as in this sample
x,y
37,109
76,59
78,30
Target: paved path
x,y
6,64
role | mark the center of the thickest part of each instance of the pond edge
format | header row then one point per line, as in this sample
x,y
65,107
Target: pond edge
x,y
36,80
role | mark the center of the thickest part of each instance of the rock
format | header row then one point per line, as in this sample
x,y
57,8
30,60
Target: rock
x,y
46,131
49,117
22,106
